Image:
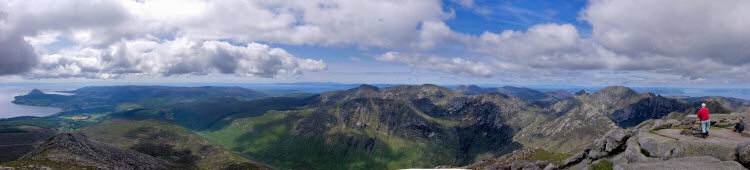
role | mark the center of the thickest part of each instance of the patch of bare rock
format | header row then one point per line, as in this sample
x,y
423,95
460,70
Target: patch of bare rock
x,y
659,144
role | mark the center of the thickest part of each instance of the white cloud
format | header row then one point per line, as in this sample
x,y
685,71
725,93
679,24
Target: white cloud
x,y
698,40
437,63
434,34
361,23
99,27
690,38
684,29
175,57
540,49
26,18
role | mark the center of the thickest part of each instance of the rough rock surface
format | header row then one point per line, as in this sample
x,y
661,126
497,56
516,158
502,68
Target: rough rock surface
x,y
665,124
743,152
691,126
574,159
613,142
668,144
648,146
551,166
77,149
701,162
516,160
632,153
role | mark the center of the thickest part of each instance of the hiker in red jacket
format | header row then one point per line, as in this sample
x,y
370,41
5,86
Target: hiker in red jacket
x,y
705,120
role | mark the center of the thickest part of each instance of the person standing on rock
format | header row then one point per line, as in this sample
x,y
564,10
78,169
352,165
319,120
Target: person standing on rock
x,y
705,120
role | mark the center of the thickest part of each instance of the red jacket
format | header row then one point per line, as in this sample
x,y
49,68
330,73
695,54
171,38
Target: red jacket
x,y
703,114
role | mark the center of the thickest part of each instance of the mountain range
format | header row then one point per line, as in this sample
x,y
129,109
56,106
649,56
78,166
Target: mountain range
x,y
363,127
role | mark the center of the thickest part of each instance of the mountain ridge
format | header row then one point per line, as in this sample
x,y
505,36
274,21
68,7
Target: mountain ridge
x,y
521,92
402,126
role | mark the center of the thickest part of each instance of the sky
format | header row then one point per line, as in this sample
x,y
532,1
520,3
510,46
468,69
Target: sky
x,y
669,43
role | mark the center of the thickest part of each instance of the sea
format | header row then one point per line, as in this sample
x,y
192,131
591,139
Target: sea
x,y
9,109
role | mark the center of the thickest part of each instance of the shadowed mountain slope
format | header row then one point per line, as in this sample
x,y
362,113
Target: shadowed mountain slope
x,y
67,150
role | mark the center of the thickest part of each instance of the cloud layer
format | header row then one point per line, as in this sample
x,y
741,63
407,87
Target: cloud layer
x,y
697,40
694,40
174,57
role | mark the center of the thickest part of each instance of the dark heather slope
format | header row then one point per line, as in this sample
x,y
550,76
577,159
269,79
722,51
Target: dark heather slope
x,y
15,141
652,107
628,108
75,149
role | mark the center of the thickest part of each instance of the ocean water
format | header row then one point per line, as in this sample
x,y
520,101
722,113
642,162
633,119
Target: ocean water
x,y
9,109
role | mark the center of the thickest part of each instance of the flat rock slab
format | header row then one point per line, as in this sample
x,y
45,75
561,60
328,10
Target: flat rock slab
x,y
669,143
701,162
718,136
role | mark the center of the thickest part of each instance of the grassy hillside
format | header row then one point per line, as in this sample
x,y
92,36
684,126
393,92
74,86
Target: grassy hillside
x,y
150,135
215,113
269,139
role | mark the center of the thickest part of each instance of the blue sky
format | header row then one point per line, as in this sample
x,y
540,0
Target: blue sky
x,y
576,42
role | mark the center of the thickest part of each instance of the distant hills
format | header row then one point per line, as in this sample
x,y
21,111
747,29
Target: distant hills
x,y
362,127
520,92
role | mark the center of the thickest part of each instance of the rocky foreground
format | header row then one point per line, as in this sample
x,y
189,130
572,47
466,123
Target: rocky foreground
x,y
67,150
657,144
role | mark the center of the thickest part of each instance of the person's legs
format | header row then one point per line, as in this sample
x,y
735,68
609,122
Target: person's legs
x,y
704,126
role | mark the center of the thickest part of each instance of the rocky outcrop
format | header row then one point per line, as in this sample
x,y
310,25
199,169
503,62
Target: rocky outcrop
x,y
612,143
691,127
701,162
516,160
68,148
743,152
665,148
633,153
665,124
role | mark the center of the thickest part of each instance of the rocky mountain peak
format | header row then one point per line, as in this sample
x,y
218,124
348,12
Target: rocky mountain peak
x,y
614,95
615,91
563,93
417,92
69,148
366,87
363,90
462,88
579,93
36,92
